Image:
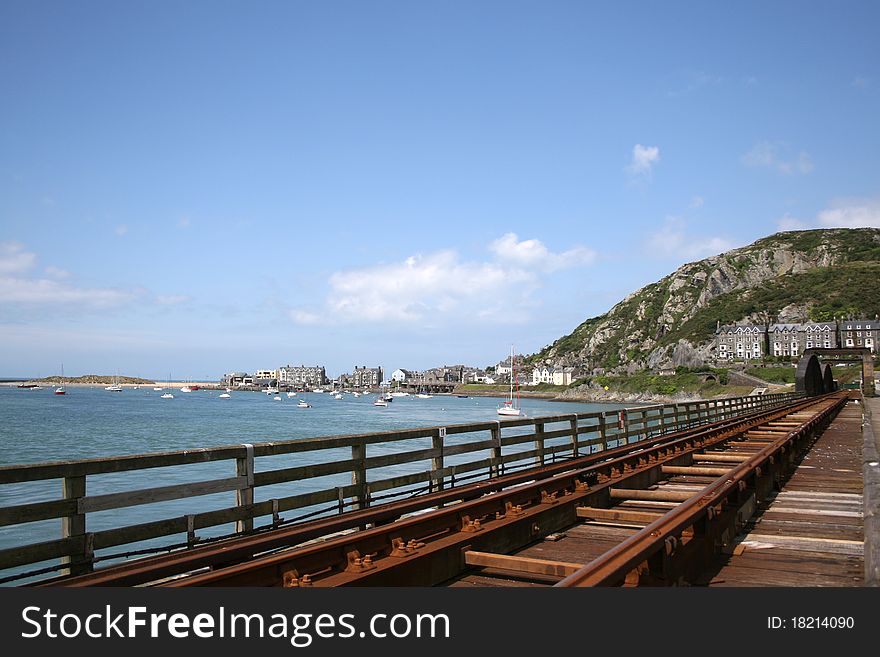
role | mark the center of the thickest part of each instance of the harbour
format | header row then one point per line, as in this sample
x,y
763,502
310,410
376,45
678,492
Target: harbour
x,y
90,423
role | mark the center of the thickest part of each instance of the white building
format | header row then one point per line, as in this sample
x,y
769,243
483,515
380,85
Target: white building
x,y
302,375
562,376
402,375
541,375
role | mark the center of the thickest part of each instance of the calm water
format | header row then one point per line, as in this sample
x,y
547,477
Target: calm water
x,y
38,426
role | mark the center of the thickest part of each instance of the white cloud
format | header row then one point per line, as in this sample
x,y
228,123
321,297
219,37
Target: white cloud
x,y
440,286
675,240
14,259
696,202
172,299
791,223
35,291
55,272
841,213
304,317
120,230
533,254
851,213
184,222
643,158
777,156
861,82
50,290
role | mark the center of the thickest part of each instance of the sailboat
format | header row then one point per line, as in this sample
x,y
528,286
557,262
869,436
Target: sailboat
x,y
60,389
168,394
115,387
511,406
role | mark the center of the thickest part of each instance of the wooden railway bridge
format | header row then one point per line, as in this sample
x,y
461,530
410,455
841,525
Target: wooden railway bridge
x,y
760,490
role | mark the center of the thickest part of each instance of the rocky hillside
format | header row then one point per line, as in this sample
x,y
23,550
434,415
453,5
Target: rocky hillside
x,y
787,277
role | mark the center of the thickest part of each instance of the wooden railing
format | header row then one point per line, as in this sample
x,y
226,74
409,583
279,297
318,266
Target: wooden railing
x,y
437,458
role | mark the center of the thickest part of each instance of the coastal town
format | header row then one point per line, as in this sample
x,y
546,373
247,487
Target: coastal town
x,y
734,343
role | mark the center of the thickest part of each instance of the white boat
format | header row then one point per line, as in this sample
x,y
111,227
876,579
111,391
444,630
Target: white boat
x,y
380,402
291,394
271,391
277,398
225,395
337,396
115,387
168,394
356,394
511,406
60,389
400,394
303,404
422,395
158,389
186,389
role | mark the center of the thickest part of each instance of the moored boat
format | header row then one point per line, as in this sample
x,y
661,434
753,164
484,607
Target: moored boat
x,y
511,405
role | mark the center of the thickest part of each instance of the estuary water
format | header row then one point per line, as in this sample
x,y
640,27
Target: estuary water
x,y
38,426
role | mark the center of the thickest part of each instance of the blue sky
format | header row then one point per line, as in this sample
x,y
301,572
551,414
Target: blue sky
x,y
201,187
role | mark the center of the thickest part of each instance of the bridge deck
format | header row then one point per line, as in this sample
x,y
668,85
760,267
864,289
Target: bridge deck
x,y
811,532
808,534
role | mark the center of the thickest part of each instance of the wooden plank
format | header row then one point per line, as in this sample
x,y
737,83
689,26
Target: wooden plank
x,y
721,457
693,470
59,469
518,440
298,473
160,494
452,450
661,495
803,543
521,564
37,552
616,514
21,513
402,480
401,457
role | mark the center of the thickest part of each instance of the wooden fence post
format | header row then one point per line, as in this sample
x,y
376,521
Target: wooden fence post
x,y
359,475
539,443
497,469
244,467
574,436
75,525
437,462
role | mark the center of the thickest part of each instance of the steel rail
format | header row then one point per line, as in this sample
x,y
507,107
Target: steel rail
x,y
426,549
627,561
241,549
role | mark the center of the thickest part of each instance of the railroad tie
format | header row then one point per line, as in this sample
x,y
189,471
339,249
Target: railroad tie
x,y
660,495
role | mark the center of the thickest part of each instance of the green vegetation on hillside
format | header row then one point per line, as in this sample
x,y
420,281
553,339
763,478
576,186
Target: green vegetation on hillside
x,y
773,374
850,288
683,381
847,288
97,379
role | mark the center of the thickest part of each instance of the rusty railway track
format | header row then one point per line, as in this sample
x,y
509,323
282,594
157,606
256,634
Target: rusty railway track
x,y
689,490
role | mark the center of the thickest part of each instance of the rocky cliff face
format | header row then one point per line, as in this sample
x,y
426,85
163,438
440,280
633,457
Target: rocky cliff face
x,y
672,322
